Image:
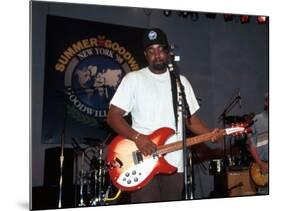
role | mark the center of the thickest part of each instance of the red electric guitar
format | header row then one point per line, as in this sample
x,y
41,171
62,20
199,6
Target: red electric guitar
x,y
130,170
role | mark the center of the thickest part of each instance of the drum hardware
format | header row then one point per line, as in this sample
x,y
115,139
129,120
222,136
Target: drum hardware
x,y
81,203
92,178
226,119
99,181
79,151
216,166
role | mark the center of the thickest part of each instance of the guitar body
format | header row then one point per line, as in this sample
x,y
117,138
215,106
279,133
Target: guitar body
x,y
130,170
258,178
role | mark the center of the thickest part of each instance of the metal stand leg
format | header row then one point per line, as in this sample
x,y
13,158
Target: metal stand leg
x,y
81,203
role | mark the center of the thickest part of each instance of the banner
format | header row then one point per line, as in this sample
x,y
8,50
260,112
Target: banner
x,y
85,62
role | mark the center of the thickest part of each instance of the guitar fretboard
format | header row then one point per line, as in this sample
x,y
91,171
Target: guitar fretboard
x,y
178,145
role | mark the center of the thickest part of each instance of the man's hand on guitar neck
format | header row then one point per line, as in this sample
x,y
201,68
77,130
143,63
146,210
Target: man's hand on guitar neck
x,y
147,147
263,167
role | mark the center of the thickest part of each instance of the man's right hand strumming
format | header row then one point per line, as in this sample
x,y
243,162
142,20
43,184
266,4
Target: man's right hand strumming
x,y
144,144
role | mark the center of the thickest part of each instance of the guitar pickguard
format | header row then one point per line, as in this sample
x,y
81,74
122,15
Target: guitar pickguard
x,y
136,174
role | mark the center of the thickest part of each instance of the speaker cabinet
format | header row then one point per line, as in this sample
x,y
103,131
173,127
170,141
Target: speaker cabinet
x,y
239,183
52,167
48,198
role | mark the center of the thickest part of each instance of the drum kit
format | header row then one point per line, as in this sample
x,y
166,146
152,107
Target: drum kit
x,y
93,186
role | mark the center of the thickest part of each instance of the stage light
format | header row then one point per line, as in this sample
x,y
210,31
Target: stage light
x,y
244,19
167,12
147,12
183,14
228,17
261,19
194,16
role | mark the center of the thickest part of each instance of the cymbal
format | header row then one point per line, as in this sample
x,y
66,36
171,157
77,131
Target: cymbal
x,y
234,119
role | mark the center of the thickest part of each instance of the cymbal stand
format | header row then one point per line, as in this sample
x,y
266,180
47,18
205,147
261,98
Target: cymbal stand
x,y
65,92
61,169
222,117
82,174
99,193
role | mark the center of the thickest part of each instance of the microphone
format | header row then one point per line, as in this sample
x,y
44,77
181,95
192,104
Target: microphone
x,y
172,66
175,58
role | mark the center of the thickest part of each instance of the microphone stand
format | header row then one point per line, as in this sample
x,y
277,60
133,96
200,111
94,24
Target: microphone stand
x,y
61,169
223,117
62,153
84,158
188,172
184,108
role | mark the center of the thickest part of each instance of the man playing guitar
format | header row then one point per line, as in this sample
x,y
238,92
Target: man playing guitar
x,y
147,95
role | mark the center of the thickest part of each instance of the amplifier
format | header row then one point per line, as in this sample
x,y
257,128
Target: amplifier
x,y
239,183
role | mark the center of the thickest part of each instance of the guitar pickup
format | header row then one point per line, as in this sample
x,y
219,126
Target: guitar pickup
x,y
137,157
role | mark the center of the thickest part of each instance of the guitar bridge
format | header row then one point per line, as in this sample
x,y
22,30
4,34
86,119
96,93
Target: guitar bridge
x,y
137,157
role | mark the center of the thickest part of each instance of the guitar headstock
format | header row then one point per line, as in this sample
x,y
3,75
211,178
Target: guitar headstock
x,y
238,129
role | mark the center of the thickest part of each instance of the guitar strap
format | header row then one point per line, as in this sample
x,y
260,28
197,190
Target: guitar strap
x,y
174,96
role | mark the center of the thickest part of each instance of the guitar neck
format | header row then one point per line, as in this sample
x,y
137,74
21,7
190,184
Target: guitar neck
x,y
164,149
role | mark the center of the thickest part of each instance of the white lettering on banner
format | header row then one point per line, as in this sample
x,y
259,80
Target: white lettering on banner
x,y
104,52
84,54
83,108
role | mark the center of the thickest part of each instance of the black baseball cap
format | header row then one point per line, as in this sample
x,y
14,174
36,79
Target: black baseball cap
x,y
154,36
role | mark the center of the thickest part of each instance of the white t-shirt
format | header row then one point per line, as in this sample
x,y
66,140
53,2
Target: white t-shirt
x,y
148,97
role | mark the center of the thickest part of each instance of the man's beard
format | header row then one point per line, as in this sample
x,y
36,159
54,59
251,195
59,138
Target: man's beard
x,y
159,65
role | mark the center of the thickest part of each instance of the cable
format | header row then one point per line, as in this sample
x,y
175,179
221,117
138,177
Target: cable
x,y
115,197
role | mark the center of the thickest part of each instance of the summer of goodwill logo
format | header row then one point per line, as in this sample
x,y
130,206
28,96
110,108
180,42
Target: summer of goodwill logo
x,y
93,69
